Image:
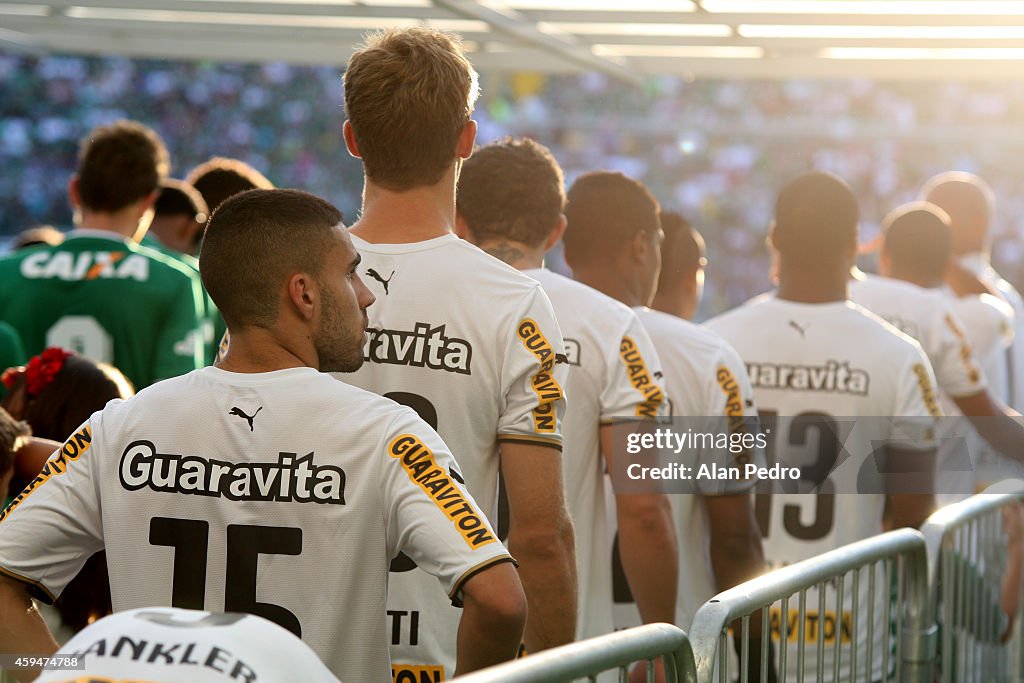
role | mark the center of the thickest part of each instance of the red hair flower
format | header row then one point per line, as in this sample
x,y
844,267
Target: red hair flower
x,y
41,370
11,375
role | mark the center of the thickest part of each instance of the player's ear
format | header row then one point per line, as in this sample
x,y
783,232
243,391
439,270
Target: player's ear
x,y
640,245
189,230
467,138
556,235
303,295
149,200
350,140
74,194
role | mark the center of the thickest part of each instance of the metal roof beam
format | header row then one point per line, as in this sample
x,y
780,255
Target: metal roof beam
x,y
513,24
704,17
311,9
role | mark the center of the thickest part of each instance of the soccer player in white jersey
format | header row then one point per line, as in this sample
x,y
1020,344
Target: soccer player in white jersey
x,y
814,358
466,340
968,201
915,252
613,244
510,202
171,645
263,485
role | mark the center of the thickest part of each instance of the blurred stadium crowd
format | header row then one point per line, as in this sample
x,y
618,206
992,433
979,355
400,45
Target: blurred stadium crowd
x,y
713,150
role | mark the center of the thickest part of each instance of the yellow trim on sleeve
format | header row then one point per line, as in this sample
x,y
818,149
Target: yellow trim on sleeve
x,y
30,582
531,440
71,450
473,571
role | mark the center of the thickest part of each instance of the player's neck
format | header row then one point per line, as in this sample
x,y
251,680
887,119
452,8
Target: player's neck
x,y
913,278
415,215
124,223
606,280
672,306
515,254
814,287
257,349
676,297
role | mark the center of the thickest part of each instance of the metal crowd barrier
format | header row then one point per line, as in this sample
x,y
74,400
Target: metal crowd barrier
x,y
896,571
959,573
589,658
969,560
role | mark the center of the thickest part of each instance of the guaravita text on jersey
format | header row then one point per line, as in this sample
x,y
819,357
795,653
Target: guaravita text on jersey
x,y
290,479
832,377
425,346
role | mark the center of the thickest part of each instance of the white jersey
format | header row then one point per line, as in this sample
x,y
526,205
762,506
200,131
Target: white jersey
x,y
283,494
927,316
472,345
980,266
989,323
705,378
613,372
816,364
169,645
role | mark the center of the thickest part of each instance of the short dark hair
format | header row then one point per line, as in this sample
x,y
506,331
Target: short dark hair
x,y
918,240
682,250
254,241
220,177
120,164
80,388
178,198
408,95
606,209
512,189
816,218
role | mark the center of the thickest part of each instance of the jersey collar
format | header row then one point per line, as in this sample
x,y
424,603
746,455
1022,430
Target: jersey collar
x,y
95,234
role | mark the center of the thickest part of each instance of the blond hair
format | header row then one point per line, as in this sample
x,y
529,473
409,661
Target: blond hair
x,y
408,95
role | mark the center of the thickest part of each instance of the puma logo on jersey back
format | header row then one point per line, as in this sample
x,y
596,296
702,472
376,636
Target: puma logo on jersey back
x,y
248,418
370,272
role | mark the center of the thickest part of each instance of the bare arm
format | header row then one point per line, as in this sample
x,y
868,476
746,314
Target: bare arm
x,y
736,552
30,458
22,629
648,545
541,538
995,422
493,617
737,556
1009,594
908,472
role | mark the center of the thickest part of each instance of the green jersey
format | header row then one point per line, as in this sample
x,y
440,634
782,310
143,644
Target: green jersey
x,y
214,327
109,299
12,354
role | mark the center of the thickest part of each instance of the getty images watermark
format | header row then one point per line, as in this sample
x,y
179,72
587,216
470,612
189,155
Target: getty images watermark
x,y
741,447
807,453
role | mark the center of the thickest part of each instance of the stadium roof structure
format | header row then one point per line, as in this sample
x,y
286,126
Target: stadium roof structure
x,y
628,39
